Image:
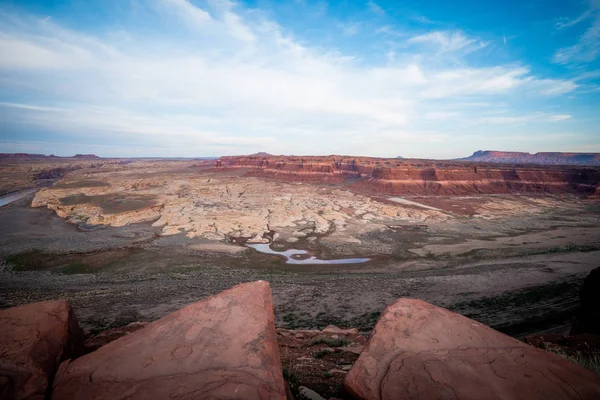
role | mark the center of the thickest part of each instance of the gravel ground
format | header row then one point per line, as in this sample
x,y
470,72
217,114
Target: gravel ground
x,y
114,276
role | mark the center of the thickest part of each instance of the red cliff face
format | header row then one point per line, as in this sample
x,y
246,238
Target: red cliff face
x,y
416,177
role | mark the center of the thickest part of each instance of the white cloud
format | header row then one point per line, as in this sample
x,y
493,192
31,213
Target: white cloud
x,y
188,11
240,83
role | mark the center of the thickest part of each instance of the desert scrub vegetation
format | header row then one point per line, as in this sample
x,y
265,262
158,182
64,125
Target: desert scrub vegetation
x,y
294,383
291,374
339,342
322,353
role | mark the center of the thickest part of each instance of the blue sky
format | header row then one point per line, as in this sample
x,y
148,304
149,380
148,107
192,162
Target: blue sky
x,y
428,79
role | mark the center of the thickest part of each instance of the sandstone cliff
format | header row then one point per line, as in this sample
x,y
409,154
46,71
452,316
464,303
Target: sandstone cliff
x,y
417,177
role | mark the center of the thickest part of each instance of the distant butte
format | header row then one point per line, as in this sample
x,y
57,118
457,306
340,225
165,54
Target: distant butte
x,y
86,156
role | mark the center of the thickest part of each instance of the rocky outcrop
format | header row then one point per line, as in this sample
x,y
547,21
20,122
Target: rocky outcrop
x,y
35,338
583,343
551,158
223,347
420,351
588,317
421,177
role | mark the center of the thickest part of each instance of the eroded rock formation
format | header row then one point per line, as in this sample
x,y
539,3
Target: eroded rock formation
x,y
34,339
420,351
223,347
221,207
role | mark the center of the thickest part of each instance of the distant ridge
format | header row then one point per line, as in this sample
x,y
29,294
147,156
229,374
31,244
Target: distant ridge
x,y
28,155
22,155
548,158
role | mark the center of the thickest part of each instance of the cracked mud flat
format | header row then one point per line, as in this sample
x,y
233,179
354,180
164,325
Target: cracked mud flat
x,y
124,245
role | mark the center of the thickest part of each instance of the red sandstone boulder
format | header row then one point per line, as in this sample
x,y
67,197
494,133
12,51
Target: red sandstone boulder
x,y
224,347
34,339
420,351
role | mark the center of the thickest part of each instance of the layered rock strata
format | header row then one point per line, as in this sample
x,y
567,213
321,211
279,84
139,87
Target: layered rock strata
x,y
422,177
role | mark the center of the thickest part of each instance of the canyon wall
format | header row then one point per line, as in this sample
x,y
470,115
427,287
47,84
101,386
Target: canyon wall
x,y
422,177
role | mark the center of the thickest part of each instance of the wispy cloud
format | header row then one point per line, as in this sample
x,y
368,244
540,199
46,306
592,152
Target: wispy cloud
x,y
448,41
422,19
539,117
593,6
390,31
349,28
559,117
376,8
587,47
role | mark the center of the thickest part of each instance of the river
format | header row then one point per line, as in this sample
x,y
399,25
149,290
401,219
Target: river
x,y
9,198
290,255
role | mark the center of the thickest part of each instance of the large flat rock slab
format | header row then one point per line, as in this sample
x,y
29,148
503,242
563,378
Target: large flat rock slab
x,y
224,347
34,338
420,351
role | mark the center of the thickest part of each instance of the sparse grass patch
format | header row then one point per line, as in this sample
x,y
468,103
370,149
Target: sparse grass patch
x,y
76,268
590,360
294,383
530,295
23,261
366,321
570,248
